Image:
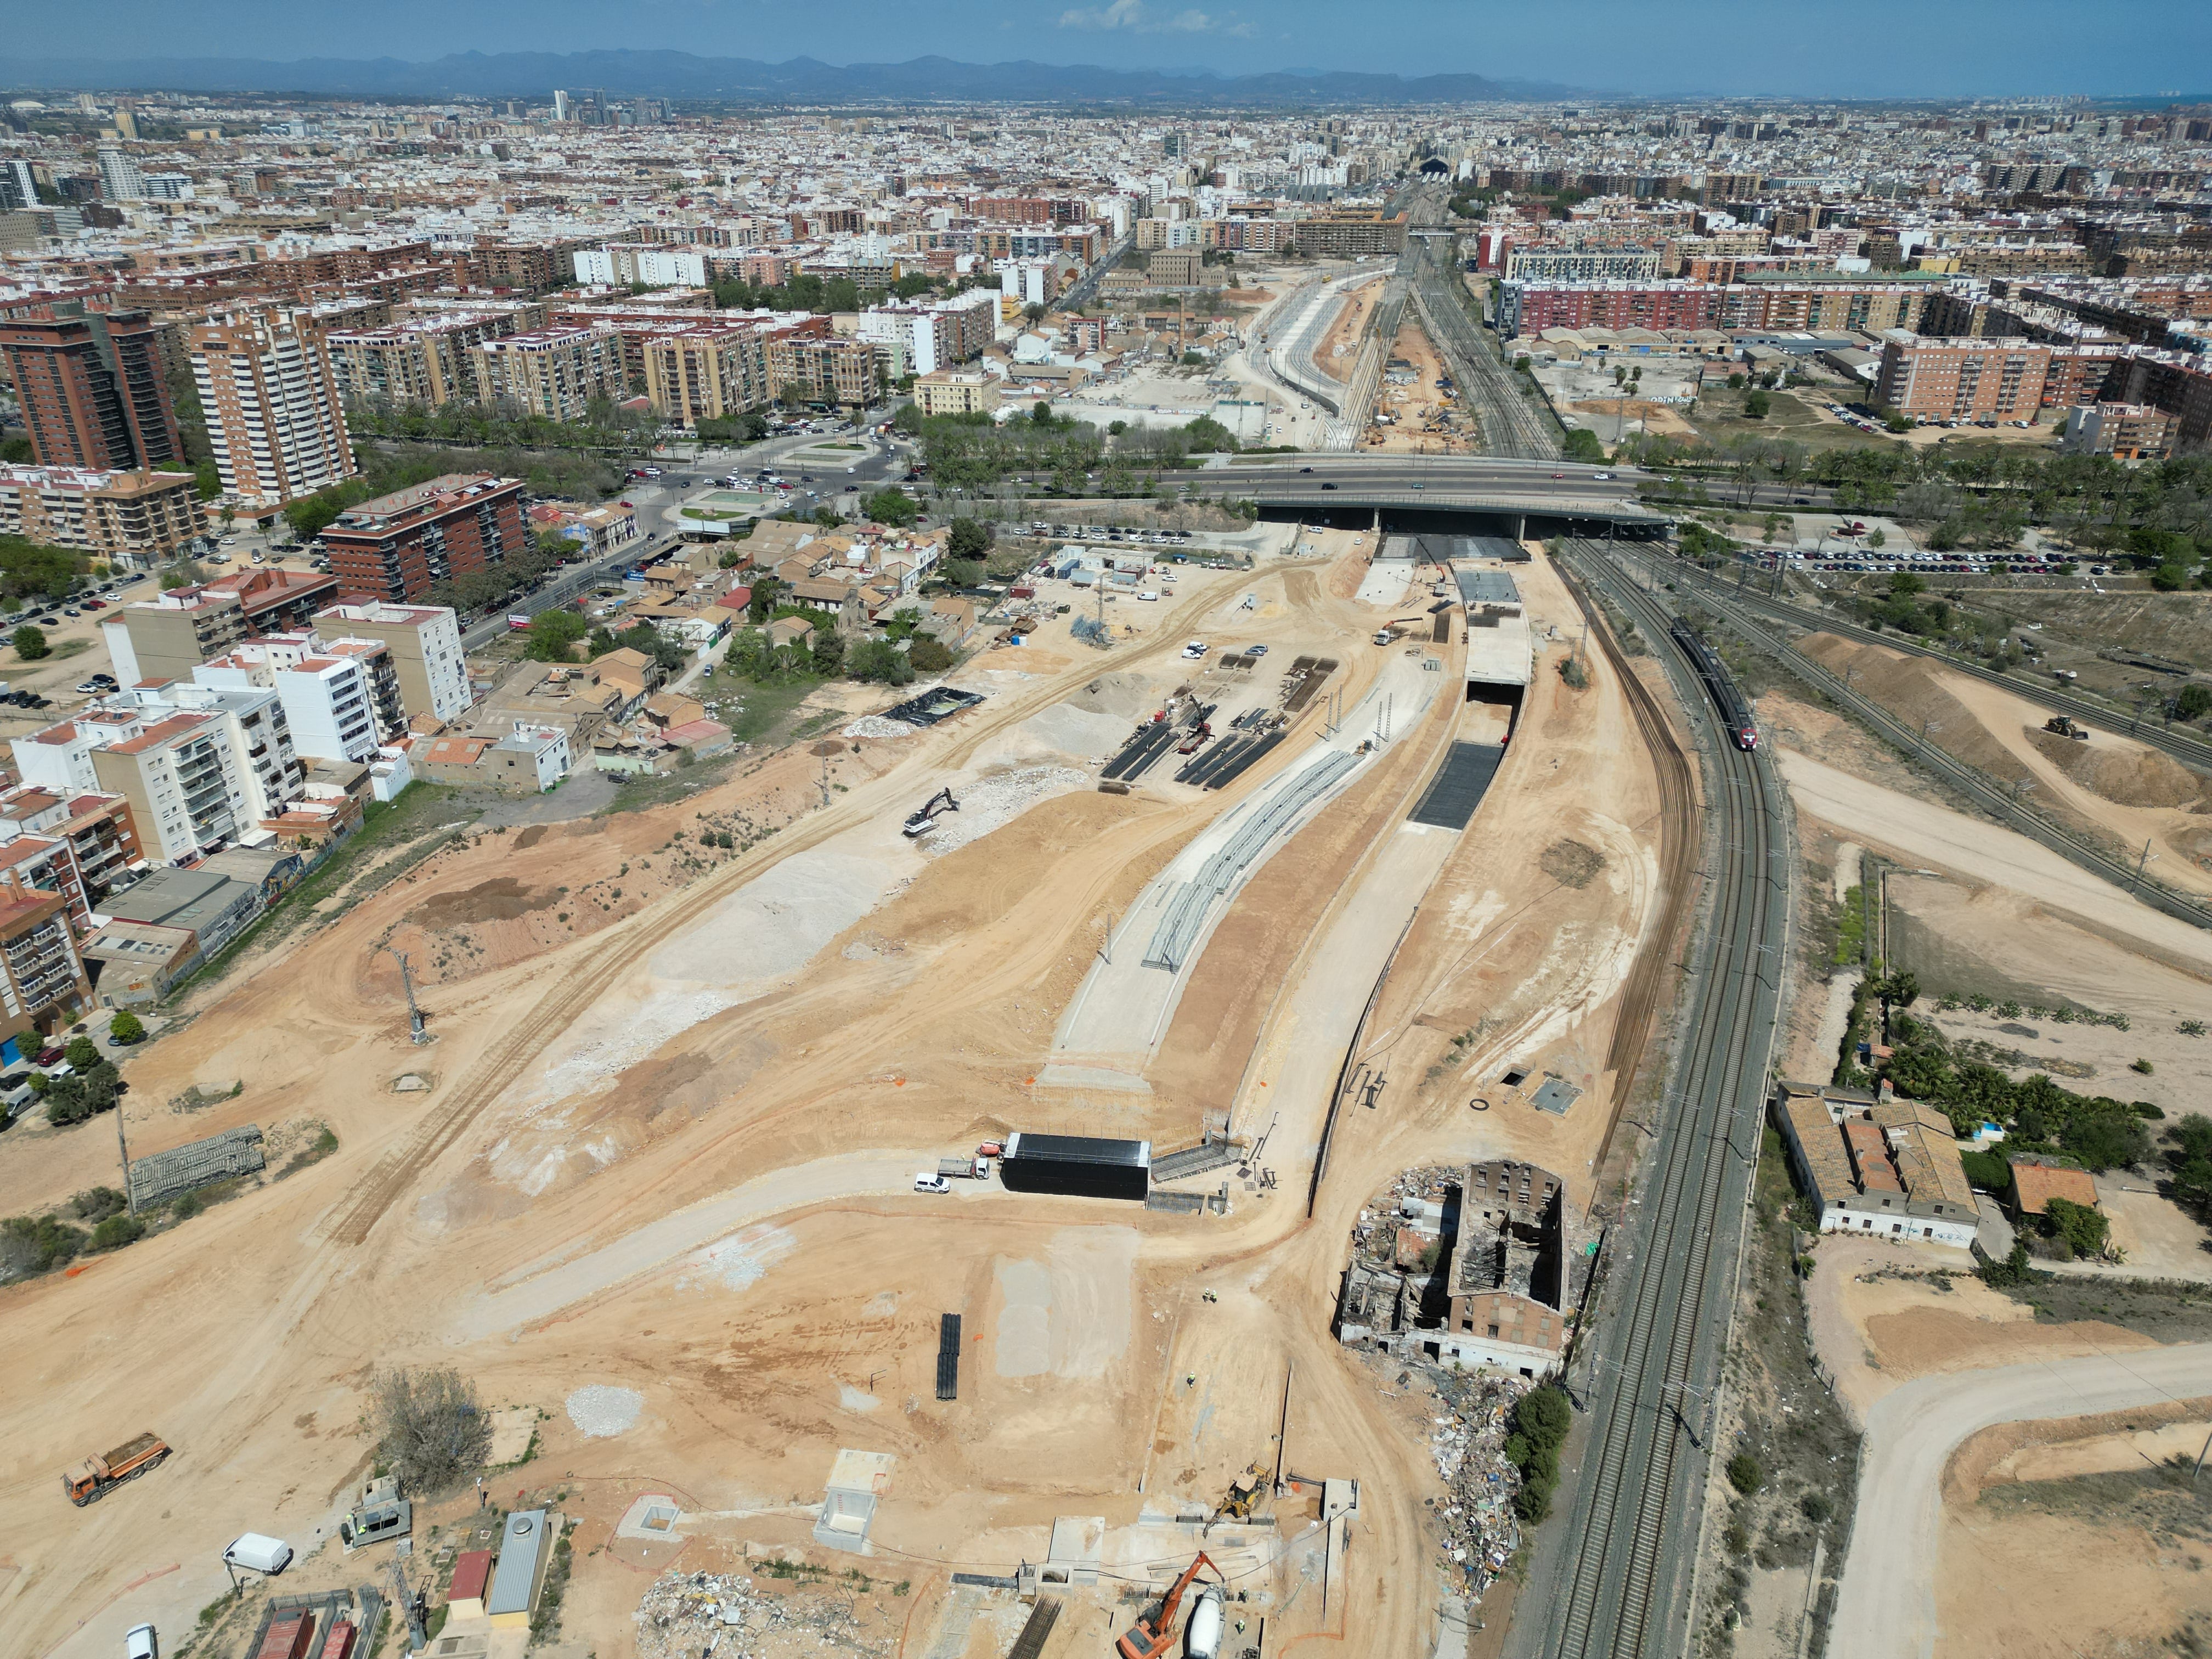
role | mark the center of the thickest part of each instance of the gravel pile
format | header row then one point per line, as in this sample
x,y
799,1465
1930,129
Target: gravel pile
x,y
598,1410
1073,731
687,1614
993,802
875,726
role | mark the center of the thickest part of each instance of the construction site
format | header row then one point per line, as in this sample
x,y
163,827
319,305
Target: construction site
x,y
903,1221
1093,1155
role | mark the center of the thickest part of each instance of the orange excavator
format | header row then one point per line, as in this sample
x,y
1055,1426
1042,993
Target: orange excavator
x,y
1154,1633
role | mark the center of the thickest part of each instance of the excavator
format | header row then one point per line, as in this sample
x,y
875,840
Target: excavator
x,y
923,818
1154,1632
1243,1497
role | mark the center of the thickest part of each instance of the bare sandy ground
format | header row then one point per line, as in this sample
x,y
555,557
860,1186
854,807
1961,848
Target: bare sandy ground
x,y
671,1153
1923,832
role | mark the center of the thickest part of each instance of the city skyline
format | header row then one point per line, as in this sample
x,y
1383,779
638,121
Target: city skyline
x,y
1716,47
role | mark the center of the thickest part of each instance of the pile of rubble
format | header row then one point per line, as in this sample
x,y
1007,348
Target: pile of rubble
x,y
1415,1201
1476,1520
692,1615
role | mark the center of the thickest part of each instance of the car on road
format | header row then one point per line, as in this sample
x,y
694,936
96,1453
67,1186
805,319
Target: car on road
x,y
1305,469
931,1184
1255,650
1600,478
1559,475
1326,485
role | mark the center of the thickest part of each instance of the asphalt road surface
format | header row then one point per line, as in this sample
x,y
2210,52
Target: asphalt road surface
x,y
1886,1605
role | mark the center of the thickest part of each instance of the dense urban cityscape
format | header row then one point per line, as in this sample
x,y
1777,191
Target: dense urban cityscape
x,y
1127,865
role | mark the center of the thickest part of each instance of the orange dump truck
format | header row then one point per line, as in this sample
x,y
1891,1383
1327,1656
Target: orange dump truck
x,y
96,1476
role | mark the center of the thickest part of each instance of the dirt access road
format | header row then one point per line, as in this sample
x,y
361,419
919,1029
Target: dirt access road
x,y
1886,1607
713,1218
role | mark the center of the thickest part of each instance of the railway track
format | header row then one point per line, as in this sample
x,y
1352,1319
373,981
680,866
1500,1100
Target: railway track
x,y
1631,1545
1986,792
2183,747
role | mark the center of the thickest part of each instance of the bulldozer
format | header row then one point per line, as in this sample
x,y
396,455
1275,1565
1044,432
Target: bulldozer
x,y
1153,1633
1243,1498
2067,726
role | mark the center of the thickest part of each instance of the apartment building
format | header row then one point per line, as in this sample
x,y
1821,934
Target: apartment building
x,y
956,392
197,764
1938,380
135,519
419,360
557,373
2126,432
637,262
162,639
425,644
1350,235
821,369
92,387
273,415
400,546
43,987
709,372
1545,263
341,697
73,844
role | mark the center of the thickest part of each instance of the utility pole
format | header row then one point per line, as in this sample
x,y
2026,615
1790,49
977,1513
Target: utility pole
x,y
2140,863
825,780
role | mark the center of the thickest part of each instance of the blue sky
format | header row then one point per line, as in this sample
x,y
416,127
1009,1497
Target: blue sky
x,y
1870,48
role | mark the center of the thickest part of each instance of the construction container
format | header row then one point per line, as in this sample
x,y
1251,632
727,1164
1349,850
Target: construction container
x,y
290,1636
339,1645
1077,1166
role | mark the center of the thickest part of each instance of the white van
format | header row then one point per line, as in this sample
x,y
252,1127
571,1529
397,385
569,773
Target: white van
x,y
258,1552
139,1643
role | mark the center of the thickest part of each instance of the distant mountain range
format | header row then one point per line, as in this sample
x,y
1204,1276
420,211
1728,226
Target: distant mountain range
x,y
681,75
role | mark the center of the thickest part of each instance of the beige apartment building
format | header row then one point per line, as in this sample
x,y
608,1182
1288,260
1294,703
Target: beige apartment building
x,y
271,403
1936,379
422,360
824,370
707,373
557,373
166,638
128,517
956,392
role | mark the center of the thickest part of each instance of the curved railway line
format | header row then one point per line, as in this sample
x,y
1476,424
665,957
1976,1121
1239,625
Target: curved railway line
x,y
1630,1543
2183,747
1976,785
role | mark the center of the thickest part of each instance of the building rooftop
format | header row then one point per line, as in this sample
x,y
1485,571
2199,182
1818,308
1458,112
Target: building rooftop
x,y
2036,1181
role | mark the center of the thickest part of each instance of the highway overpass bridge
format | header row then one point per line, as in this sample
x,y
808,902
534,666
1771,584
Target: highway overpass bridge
x,y
1477,495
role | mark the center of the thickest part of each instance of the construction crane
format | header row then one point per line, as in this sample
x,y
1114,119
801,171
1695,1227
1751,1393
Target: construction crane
x,y
1154,1633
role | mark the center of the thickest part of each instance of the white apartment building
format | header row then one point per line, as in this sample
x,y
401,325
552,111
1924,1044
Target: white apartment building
x,y
120,179
642,262
272,402
425,643
199,765
340,697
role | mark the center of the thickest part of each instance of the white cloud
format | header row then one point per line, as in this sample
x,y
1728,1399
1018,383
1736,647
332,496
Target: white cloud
x,y
1135,17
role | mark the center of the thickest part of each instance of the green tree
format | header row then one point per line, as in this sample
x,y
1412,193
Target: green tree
x,y
2194,701
30,643
1582,445
928,655
1876,540
82,1052
893,507
553,636
1756,405
2081,1229
968,538
126,1027
1745,1474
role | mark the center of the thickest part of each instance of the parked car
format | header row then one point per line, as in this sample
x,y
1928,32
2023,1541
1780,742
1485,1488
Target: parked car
x,y
140,1642
47,1056
928,1182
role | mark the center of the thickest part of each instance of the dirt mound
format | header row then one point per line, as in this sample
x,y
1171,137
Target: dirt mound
x,y
530,837
1910,688
1125,695
503,898
2131,777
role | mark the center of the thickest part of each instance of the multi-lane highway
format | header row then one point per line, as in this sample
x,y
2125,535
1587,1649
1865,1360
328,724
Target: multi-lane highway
x,y
1622,1568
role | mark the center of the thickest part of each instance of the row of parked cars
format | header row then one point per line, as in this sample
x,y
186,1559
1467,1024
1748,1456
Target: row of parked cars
x,y
1108,533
